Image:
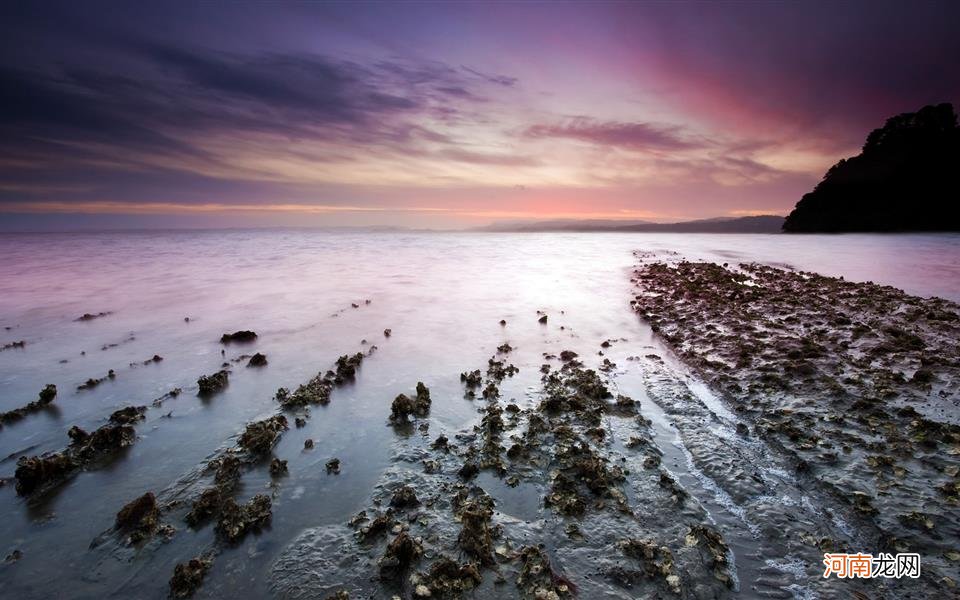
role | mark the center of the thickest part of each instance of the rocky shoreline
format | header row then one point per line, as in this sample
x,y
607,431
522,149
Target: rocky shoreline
x,y
855,383
444,520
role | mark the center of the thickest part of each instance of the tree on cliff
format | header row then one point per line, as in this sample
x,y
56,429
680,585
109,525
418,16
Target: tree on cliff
x,y
906,178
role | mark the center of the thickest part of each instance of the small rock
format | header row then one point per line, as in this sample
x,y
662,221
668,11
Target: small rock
x,y
278,467
211,384
187,577
257,360
242,336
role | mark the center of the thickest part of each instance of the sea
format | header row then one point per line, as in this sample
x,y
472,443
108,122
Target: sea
x,y
312,296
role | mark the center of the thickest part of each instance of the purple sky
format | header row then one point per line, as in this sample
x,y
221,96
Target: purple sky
x,y
445,114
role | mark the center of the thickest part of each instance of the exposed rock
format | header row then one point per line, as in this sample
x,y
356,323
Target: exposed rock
x,y
403,406
318,389
537,579
468,471
497,370
655,561
212,500
91,316
169,395
154,359
257,360
128,415
381,524
139,518
346,368
448,578
243,336
206,506
108,438
47,394
278,467
475,535
400,555
236,519
92,383
711,540
404,497
187,577
35,471
212,384
77,435
259,437
471,379
315,391
227,470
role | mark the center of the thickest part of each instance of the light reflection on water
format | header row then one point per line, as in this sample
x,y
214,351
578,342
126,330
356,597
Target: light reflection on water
x,y
441,294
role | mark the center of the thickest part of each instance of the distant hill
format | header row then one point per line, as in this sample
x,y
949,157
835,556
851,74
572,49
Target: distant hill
x,y
906,178
755,224
559,225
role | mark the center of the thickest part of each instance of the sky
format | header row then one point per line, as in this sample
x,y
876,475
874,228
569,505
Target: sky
x,y
445,114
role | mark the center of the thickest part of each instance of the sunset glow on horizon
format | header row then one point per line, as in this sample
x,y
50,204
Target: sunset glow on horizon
x,y
445,115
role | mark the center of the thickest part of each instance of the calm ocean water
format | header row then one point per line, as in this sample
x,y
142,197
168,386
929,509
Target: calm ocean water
x,y
442,294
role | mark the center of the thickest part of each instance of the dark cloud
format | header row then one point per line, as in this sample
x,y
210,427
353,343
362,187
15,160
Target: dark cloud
x,y
633,136
162,98
831,71
42,112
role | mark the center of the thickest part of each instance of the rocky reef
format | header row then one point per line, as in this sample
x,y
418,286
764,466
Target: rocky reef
x,y
432,530
857,384
318,389
37,474
47,394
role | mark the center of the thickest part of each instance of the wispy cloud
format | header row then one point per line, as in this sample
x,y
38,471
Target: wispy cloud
x,y
181,208
633,136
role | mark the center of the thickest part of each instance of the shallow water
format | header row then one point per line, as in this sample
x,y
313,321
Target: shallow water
x,y
442,295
